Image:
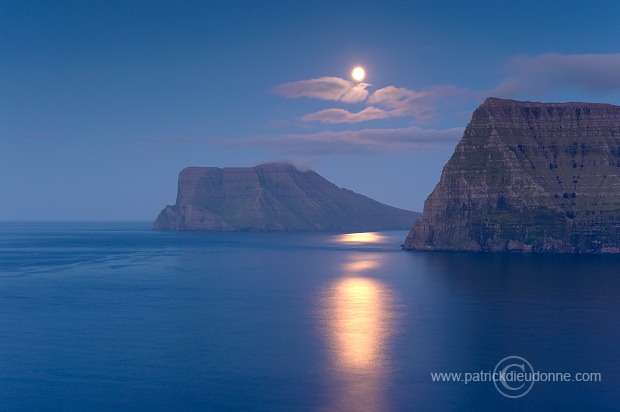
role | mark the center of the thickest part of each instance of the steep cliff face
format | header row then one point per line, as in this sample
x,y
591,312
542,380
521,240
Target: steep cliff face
x,y
529,177
273,197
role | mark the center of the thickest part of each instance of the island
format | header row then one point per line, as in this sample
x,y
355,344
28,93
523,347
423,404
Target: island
x,y
273,197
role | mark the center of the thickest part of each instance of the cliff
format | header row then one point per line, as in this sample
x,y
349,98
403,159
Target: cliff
x,y
529,177
273,197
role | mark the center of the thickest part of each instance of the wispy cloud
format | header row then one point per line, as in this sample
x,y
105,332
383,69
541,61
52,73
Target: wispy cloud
x,y
384,103
590,73
401,102
326,88
527,76
303,164
392,97
362,142
345,116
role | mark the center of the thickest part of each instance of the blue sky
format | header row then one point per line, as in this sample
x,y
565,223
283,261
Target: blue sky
x,y
102,103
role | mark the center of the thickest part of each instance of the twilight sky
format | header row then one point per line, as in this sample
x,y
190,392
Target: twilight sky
x,y
102,103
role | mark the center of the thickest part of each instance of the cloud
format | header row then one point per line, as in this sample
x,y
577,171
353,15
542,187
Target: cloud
x,y
393,101
528,76
300,163
391,96
344,116
362,142
401,102
384,103
326,88
589,73
409,101
356,94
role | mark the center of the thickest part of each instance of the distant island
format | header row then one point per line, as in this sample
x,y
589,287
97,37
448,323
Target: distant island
x,y
273,197
529,177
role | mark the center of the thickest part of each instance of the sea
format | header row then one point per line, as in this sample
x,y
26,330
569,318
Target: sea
x,y
112,316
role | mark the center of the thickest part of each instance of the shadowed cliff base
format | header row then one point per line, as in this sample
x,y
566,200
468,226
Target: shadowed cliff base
x,y
273,197
529,177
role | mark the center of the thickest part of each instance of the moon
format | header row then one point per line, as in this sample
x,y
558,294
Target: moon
x,y
358,74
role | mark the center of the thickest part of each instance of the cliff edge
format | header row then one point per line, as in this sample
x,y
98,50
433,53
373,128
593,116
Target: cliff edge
x,y
273,197
529,177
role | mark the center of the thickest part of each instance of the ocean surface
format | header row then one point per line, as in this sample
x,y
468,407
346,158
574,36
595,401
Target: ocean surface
x,y
116,317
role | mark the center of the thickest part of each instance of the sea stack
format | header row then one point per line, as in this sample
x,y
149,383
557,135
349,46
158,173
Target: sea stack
x,y
273,197
529,177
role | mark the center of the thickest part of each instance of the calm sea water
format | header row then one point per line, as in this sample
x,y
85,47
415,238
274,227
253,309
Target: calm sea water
x,y
116,317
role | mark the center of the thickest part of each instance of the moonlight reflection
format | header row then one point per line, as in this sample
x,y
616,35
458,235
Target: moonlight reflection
x,y
364,237
358,321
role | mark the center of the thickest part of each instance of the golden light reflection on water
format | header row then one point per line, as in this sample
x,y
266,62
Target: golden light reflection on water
x,y
360,265
365,237
358,321
358,330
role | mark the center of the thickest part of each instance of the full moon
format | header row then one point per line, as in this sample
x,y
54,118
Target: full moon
x,y
358,74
